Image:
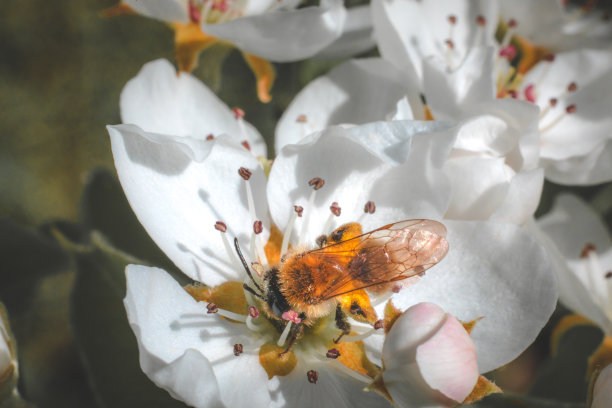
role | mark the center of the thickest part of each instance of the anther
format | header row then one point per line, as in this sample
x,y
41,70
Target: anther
x,y
572,87
312,376
257,227
608,275
245,173
335,209
253,312
588,248
571,108
258,268
220,226
302,119
332,353
291,316
369,207
212,308
316,183
512,93
549,57
452,19
379,324
553,102
512,23
210,136
508,52
238,349
238,113
298,209
246,145
481,20
450,43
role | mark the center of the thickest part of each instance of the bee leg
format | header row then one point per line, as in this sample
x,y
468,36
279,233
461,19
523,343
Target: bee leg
x,y
296,332
341,323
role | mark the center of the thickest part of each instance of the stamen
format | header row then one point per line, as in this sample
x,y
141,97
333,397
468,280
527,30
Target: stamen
x,y
246,145
257,227
508,52
332,353
238,349
222,228
289,229
302,120
450,46
253,312
335,209
244,135
369,207
509,33
312,376
316,183
210,137
358,337
256,250
568,110
284,334
213,308
291,316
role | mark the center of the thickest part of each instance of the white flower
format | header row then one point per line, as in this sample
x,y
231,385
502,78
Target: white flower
x,y
181,196
429,347
8,358
581,248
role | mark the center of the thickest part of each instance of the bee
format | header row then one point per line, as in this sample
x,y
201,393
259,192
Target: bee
x,y
312,283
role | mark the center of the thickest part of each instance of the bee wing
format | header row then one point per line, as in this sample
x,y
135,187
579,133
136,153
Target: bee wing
x,y
390,253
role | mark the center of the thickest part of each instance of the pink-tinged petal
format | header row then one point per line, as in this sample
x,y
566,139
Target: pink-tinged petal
x,y
178,196
164,10
429,358
285,35
602,391
161,100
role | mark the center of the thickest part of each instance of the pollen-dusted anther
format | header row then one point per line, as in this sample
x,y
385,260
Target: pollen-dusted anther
x,y
313,376
335,209
253,312
298,209
212,308
316,183
452,19
245,173
549,57
238,349
512,23
257,227
572,87
332,353
508,52
512,93
380,324
302,119
481,20
450,43
608,275
258,268
553,102
246,145
220,226
210,136
321,240
570,108
291,316
369,207
588,248
238,113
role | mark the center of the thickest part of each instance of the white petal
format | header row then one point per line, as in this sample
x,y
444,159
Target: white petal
x,y
420,29
173,329
285,35
522,198
602,391
178,200
164,10
495,271
356,92
356,37
593,168
160,100
416,188
479,186
449,94
540,22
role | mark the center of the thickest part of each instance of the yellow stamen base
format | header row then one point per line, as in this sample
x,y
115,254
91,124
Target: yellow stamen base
x,y
273,363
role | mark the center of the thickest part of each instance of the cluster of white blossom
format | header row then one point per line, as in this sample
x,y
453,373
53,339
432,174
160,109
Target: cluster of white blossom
x,y
470,107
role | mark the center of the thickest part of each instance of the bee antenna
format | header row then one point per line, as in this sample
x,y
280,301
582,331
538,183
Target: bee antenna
x,y
251,290
246,267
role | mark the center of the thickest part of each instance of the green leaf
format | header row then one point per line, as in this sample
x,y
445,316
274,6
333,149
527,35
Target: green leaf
x,y
103,334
